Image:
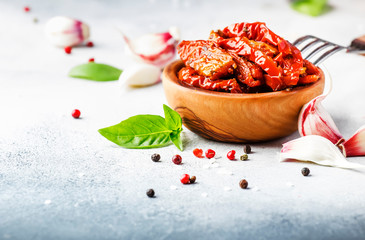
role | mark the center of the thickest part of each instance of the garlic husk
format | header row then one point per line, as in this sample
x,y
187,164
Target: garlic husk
x,y
315,120
157,49
64,31
316,149
140,75
355,145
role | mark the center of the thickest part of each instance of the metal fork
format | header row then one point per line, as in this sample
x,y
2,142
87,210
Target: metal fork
x,y
325,49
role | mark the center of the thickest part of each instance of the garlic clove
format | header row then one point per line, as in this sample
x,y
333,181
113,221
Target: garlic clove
x,y
64,31
157,49
315,120
355,145
140,75
316,149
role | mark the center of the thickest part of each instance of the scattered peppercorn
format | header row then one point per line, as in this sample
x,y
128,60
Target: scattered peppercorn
x,y
76,113
198,152
210,153
155,157
244,157
150,193
35,20
192,179
185,179
26,9
90,44
91,60
68,49
177,159
231,155
243,184
305,171
247,149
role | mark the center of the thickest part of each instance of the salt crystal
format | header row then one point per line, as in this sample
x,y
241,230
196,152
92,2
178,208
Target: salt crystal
x,y
206,166
255,189
227,189
47,202
215,165
289,184
172,187
204,194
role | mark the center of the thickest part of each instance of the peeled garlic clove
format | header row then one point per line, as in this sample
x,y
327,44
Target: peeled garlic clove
x,y
355,145
315,120
315,149
157,49
140,75
64,31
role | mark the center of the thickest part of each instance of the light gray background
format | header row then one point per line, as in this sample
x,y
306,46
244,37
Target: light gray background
x,y
59,179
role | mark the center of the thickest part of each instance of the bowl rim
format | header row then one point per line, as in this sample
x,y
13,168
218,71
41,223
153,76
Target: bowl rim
x,y
170,74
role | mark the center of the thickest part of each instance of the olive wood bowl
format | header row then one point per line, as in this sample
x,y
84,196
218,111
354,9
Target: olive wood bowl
x,y
237,117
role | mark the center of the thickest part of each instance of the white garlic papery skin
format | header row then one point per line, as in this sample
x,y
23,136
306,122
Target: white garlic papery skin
x,y
64,31
157,49
315,149
140,75
315,120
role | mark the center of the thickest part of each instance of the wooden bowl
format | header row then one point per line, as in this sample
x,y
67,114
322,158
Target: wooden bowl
x,y
232,117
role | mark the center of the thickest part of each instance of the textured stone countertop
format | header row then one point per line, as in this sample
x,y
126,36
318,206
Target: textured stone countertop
x,y
60,179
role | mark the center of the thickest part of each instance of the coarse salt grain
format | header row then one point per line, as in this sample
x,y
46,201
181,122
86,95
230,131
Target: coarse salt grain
x,y
47,202
227,189
204,194
173,187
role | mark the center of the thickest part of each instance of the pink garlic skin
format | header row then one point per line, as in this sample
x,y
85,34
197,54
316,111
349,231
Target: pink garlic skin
x,y
157,49
64,31
355,145
315,120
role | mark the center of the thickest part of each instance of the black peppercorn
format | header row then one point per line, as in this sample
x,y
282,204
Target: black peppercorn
x,y
192,179
247,149
243,184
155,157
305,171
150,193
244,157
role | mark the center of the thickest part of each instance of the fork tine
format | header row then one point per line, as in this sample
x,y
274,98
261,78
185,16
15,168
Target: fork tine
x,y
327,54
302,39
309,44
324,45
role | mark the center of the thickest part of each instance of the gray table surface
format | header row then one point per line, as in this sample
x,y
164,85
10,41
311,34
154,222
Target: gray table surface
x,y
59,179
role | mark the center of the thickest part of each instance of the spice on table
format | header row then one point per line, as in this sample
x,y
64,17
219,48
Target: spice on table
x,y
243,184
35,20
155,157
68,49
192,179
210,153
231,155
90,44
185,179
150,193
305,171
26,9
244,157
177,159
76,113
198,152
91,60
247,149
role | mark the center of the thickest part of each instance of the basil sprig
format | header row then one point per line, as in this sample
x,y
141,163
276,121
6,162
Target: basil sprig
x,y
95,71
147,131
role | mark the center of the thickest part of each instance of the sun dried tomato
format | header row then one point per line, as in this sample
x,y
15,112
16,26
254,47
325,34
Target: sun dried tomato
x,y
246,56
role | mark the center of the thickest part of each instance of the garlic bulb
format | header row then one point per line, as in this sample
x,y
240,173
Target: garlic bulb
x,y
64,31
315,149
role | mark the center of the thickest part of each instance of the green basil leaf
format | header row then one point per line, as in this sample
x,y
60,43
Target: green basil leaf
x,y
140,131
176,139
172,118
95,71
311,7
